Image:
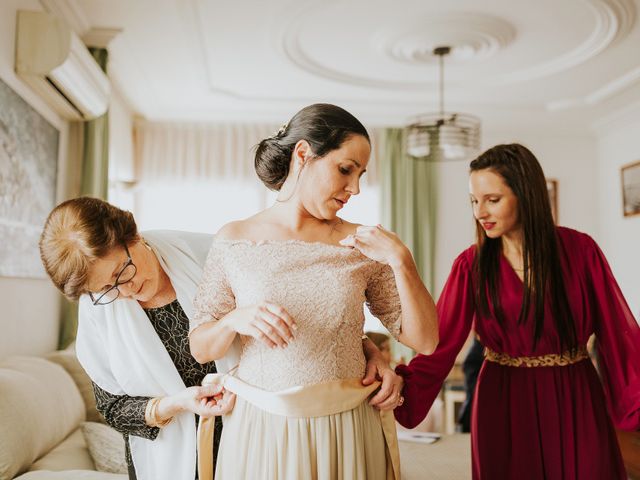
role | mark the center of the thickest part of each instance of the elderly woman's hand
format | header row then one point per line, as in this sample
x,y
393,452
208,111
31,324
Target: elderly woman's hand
x,y
221,404
208,400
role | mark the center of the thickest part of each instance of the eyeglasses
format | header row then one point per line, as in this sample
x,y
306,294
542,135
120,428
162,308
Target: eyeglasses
x,y
111,292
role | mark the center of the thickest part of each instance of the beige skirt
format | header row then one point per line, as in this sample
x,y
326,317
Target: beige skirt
x,y
320,432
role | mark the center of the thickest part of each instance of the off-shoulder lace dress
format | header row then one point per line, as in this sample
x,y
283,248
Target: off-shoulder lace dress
x,y
323,287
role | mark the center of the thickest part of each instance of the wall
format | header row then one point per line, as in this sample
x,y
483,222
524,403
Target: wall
x,y
572,160
121,168
28,326
619,236
30,307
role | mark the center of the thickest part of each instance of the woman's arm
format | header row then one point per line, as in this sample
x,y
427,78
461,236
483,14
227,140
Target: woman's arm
x,y
425,375
124,413
419,318
211,340
217,321
266,322
388,397
618,339
419,321
130,415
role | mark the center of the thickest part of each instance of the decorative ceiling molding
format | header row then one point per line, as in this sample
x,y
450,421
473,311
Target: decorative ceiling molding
x,y
624,12
471,36
601,94
614,19
70,12
199,18
386,47
474,37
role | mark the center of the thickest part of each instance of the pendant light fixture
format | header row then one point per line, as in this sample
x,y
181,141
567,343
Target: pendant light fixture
x,y
443,136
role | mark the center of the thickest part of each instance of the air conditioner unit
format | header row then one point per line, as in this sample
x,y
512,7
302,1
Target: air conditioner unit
x,y
56,64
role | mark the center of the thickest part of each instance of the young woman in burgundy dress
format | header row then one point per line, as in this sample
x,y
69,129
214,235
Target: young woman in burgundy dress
x,y
534,293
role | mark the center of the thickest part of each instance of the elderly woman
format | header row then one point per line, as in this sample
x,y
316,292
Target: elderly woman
x,y
136,295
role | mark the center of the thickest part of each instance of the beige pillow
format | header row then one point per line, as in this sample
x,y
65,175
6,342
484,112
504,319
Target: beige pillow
x,y
39,407
70,454
106,446
67,359
71,475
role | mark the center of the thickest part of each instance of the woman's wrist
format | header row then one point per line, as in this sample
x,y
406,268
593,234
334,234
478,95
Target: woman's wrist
x,y
371,352
229,321
402,259
160,411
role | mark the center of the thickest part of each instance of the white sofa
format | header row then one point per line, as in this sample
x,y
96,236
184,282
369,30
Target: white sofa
x,y
43,403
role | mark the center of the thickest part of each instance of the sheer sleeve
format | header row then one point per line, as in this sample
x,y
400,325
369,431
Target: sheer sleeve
x,y
383,299
425,375
214,297
124,413
618,341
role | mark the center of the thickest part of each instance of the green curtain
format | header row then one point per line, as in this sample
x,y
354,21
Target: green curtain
x,y
95,158
409,206
94,183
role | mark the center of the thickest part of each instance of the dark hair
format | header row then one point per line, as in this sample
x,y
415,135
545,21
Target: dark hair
x,y
543,278
78,232
324,126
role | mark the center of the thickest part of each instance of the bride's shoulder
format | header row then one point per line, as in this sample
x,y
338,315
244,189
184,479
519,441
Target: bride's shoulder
x,y
347,228
240,229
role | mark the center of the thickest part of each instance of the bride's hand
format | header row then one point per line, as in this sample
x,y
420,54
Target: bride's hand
x,y
267,322
378,244
389,395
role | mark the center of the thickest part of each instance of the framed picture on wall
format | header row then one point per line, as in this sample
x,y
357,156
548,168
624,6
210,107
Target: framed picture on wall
x,y
28,169
631,189
552,188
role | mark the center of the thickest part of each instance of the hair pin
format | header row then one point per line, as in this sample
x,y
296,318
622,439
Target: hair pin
x,y
281,130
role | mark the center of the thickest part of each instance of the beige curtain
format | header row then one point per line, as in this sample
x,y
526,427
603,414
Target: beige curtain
x,y
94,183
166,151
408,192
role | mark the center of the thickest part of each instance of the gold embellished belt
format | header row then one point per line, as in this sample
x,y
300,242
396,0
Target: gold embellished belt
x,y
550,360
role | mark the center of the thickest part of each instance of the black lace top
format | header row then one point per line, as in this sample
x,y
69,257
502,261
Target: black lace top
x,y
125,413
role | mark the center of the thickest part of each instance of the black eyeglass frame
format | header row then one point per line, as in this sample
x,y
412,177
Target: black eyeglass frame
x,y
117,283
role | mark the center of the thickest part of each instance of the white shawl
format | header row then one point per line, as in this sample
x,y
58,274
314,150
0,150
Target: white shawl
x,y
121,352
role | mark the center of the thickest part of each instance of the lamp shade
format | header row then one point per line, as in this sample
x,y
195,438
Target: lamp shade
x,y
443,136
438,137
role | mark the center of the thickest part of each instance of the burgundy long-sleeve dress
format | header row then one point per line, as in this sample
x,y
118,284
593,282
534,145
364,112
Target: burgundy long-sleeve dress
x,y
538,423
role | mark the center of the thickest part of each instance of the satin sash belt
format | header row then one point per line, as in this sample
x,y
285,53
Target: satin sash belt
x,y
550,360
317,400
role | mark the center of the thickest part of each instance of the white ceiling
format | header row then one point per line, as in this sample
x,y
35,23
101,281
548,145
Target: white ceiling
x,y
571,64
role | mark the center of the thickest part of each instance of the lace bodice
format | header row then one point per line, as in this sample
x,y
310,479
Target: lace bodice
x,y
322,286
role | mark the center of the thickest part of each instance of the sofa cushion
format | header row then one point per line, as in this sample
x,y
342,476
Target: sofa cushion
x,y
40,406
71,475
106,447
71,454
67,359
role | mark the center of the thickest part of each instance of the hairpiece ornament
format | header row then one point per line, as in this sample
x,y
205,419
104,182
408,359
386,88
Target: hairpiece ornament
x,y
281,130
